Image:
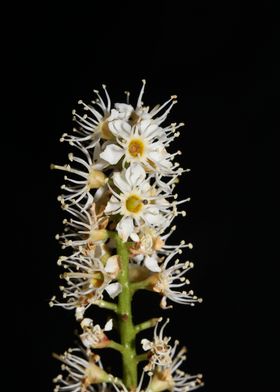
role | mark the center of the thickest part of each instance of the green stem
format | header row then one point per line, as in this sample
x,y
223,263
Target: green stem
x,y
116,346
146,324
142,357
107,305
142,285
127,331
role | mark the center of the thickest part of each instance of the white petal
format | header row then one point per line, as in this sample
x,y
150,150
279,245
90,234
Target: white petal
x,y
112,266
87,339
165,163
80,310
155,156
154,218
112,154
86,323
109,325
135,174
134,237
125,227
124,108
146,344
152,264
138,258
114,289
146,186
121,182
144,125
120,128
112,205
149,130
114,115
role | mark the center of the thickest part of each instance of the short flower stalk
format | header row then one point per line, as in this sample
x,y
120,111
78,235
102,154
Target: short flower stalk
x,y
120,204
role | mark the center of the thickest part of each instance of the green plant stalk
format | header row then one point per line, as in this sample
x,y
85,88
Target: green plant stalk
x,y
127,330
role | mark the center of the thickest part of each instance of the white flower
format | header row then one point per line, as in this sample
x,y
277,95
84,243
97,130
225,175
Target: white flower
x,y
149,245
138,202
160,349
169,279
82,370
87,278
93,125
172,378
139,136
84,229
141,112
141,143
86,176
93,335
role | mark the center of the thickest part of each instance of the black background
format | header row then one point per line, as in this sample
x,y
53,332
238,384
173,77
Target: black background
x,y
221,59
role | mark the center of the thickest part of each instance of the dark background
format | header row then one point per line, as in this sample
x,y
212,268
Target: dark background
x,y
221,59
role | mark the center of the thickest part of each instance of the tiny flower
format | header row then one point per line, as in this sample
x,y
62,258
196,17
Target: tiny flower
x,y
86,176
149,245
87,279
85,229
172,378
141,143
169,279
92,125
82,371
147,241
142,113
138,202
93,335
159,348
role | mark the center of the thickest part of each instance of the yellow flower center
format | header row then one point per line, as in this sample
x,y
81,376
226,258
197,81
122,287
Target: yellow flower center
x,y
97,279
136,148
133,204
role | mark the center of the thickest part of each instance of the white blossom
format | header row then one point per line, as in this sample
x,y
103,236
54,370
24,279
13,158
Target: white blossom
x,y
150,246
170,278
87,174
82,371
141,143
138,202
93,336
87,278
159,348
173,378
93,124
85,229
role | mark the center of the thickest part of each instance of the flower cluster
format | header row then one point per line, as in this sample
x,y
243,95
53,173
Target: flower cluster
x,y
119,188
